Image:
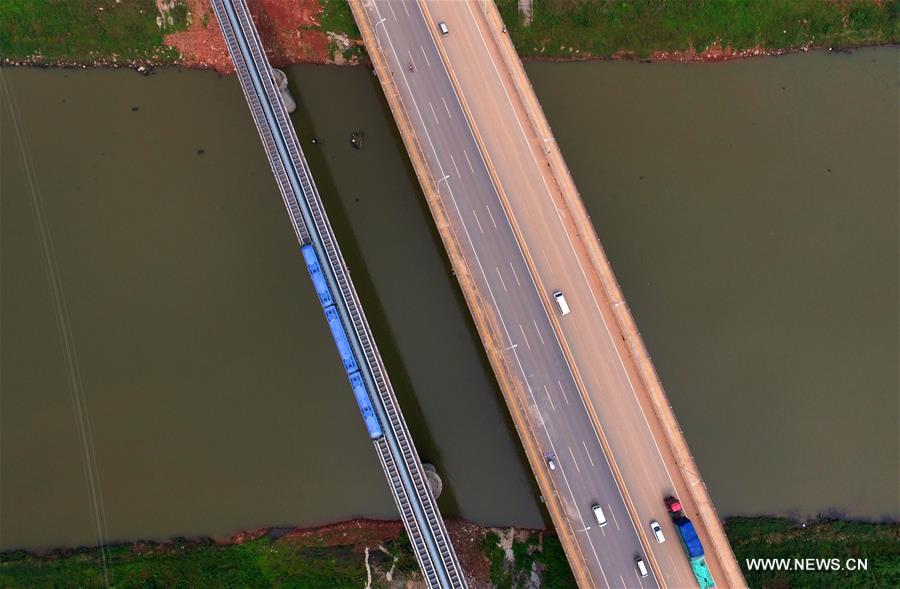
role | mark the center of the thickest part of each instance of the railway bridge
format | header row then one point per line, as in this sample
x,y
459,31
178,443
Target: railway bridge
x,y
362,361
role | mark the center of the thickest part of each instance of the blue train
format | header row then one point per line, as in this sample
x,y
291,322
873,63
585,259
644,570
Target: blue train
x,y
357,382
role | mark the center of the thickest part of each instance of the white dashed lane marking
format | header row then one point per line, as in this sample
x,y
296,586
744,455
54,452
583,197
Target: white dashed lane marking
x,y
615,521
537,331
522,329
447,107
516,276
588,453
563,390
434,113
474,214
471,169
549,398
491,215
503,284
452,159
573,459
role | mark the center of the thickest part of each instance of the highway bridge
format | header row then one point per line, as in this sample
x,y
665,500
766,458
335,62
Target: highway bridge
x,y
392,440
581,387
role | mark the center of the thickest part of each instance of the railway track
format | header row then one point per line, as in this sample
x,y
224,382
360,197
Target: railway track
x,y
396,451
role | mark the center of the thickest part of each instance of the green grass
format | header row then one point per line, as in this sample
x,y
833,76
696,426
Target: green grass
x,y
337,18
781,538
79,31
557,574
602,28
259,563
308,564
549,558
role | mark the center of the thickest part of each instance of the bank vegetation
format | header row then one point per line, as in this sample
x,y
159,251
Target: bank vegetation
x,y
164,32
377,554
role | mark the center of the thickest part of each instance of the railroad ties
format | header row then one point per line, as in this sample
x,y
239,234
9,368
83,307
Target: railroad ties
x,y
362,361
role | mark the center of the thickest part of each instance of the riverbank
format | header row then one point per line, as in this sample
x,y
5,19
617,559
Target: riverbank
x,y
357,553
371,553
147,33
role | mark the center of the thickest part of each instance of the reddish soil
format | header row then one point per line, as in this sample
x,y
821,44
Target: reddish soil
x,y
363,532
717,53
289,30
467,538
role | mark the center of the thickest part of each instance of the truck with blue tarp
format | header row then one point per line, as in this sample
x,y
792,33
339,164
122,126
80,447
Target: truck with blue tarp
x,y
691,543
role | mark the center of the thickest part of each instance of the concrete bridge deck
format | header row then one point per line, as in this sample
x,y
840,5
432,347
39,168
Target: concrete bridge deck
x,y
581,387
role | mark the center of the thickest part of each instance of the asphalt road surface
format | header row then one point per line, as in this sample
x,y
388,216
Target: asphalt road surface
x,y
559,416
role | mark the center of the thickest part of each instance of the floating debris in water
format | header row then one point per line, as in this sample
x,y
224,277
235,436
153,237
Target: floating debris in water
x,y
357,138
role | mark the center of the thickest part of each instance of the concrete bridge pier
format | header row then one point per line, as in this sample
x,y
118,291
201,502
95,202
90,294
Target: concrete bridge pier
x,y
434,479
290,104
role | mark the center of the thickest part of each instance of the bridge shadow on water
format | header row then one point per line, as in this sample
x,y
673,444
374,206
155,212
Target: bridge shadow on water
x,y
375,309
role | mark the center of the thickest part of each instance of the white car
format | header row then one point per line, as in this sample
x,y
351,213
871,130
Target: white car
x,y
560,299
657,531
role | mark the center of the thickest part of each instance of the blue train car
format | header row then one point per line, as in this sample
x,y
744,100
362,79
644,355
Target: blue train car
x,y
340,339
343,344
318,278
365,406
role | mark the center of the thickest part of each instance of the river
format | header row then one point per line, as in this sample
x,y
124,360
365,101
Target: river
x,y
158,329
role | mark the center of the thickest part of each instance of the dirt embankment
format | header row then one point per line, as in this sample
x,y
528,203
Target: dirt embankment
x,y
290,31
378,547
467,538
